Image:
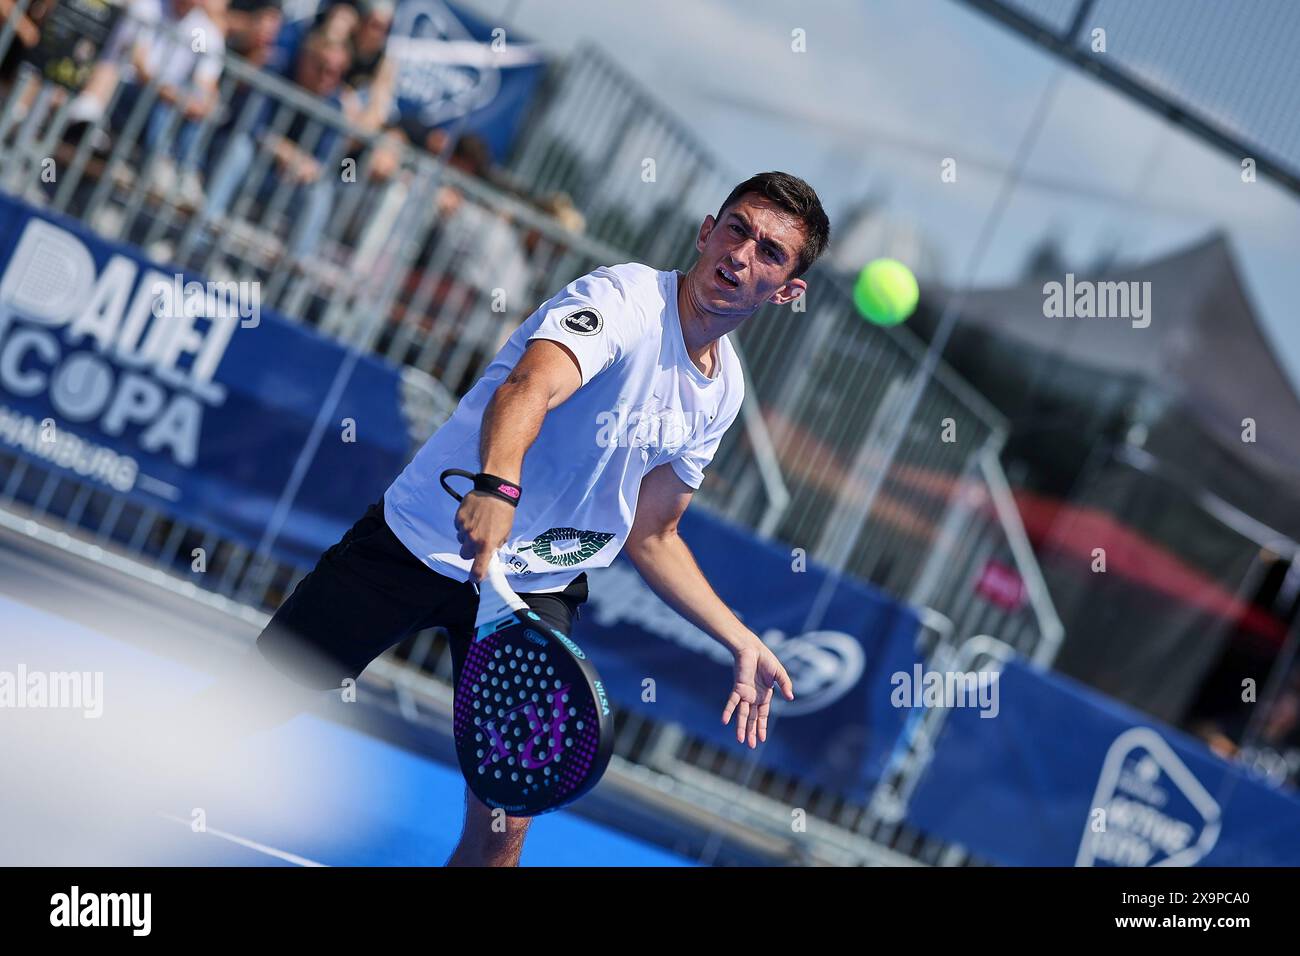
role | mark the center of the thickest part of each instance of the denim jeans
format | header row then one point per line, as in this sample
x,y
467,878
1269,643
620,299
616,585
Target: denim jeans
x,y
310,203
155,128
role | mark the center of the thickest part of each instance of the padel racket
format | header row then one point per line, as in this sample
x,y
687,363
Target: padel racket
x,y
533,727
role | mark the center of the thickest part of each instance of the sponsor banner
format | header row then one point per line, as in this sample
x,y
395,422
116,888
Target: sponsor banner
x,y
841,726
453,65
1066,777
184,396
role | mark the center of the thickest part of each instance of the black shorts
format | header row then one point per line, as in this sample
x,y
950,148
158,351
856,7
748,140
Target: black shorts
x,y
367,593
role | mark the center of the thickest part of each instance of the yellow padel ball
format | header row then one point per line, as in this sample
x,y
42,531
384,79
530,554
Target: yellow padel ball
x,y
885,292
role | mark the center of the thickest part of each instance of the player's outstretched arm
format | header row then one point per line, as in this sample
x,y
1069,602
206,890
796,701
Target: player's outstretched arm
x,y
546,375
667,565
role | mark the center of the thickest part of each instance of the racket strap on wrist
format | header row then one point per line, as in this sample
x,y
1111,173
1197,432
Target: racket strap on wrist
x,y
492,485
498,488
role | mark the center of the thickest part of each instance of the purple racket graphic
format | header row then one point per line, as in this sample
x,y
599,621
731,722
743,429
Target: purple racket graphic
x,y
532,724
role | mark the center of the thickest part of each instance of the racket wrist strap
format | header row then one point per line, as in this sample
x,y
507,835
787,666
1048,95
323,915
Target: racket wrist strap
x,y
498,487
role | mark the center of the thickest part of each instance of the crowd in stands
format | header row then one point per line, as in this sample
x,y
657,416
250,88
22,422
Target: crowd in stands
x,y
200,138
164,115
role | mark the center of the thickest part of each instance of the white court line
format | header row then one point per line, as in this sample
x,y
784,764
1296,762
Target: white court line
x,y
252,845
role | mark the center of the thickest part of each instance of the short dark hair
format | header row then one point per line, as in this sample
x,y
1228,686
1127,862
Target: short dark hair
x,y
797,198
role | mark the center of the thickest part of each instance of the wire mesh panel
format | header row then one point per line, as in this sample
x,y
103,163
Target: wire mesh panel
x,y
1226,71
1233,62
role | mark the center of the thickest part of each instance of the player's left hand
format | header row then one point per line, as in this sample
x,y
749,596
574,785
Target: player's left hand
x,y
757,670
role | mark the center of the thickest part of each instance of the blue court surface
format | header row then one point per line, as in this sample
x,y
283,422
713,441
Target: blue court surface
x,y
351,799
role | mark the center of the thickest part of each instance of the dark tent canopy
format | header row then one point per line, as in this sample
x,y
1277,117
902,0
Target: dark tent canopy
x,y
1189,593
1201,367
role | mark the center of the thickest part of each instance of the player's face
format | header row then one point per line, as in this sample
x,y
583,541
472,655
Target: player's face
x,y
746,257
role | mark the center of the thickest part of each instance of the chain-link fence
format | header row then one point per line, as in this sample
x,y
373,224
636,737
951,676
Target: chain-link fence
x,y
1224,71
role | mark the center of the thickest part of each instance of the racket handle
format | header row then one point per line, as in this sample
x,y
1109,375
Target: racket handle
x,y
496,598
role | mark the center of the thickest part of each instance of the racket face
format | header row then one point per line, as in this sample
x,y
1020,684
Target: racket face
x,y
532,725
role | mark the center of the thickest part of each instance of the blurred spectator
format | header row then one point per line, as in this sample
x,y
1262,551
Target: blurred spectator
x,y
488,253
560,207
298,162
372,76
27,35
371,83
336,21
179,44
470,156
545,250
482,280
252,27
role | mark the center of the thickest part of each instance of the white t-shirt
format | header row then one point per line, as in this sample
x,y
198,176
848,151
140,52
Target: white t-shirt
x,y
171,56
642,403
486,252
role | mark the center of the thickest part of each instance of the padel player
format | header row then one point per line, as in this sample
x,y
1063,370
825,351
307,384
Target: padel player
x,y
589,433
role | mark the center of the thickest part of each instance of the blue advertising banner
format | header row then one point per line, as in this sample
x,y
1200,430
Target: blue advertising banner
x,y
184,396
1066,777
452,64
451,68
841,726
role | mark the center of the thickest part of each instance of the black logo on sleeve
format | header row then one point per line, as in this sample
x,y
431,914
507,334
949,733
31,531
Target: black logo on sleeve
x,y
583,322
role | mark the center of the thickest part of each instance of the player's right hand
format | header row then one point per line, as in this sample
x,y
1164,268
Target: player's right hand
x,y
482,525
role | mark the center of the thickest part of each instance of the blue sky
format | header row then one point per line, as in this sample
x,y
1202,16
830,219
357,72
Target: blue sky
x,y
889,87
